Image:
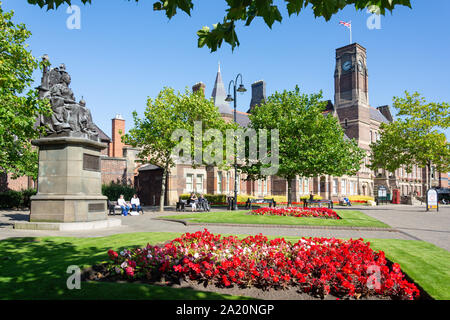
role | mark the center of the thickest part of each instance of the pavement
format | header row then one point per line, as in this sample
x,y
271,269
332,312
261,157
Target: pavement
x,y
408,223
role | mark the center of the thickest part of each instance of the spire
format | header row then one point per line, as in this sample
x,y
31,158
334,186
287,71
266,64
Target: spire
x,y
219,95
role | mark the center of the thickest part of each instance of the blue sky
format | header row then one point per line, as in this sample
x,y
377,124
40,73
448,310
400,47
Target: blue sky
x,y
126,52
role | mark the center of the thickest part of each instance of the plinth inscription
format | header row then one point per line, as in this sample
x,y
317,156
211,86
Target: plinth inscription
x,y
91,162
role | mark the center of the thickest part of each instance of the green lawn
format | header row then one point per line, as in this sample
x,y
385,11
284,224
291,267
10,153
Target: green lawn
x,y
350,218
35,268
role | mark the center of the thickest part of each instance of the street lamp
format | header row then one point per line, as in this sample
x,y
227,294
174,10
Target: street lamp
x,y
229,98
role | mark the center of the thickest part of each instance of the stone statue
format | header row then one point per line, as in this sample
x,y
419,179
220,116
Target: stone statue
x,y
69,118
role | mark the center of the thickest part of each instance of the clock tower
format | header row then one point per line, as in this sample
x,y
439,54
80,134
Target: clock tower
x,y
351,98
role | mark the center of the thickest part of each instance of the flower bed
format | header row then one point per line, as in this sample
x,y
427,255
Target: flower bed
x,y
318,266
297,212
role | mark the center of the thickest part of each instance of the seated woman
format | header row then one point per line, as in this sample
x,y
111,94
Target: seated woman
x,y
136,205
124,205
193,201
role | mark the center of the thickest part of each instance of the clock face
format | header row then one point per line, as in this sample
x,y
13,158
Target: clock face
x,y
347,65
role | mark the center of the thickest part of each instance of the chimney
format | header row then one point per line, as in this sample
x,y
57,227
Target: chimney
x,y
386,112
258,94
118,130
199,86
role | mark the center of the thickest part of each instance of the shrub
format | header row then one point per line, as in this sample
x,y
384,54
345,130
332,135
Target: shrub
x,y
114,190
363,199
11,199
26,195
316,197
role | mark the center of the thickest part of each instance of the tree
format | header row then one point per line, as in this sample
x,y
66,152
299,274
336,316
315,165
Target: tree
x,y
247,10
156,134
415,137
311,143
19,105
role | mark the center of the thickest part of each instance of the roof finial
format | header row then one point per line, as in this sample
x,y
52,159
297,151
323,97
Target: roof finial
x,y
219,67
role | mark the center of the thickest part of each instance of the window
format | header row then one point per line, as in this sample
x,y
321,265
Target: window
x,y
228,182
266,182
219,182
238,183
259,186
343,186
306,186
352,186
199,186
300,185
190,182
335,186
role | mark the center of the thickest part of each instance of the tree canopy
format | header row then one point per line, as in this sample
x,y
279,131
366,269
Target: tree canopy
x,y
19,105
311,144
155,134
415,138
245,11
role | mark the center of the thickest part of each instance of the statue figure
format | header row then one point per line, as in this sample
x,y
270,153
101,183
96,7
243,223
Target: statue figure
x,y
69,117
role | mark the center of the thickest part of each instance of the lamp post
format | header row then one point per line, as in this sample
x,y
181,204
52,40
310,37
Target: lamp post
x,y
229,99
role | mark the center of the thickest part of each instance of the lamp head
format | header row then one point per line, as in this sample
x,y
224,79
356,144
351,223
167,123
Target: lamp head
x,y
229,98
241,88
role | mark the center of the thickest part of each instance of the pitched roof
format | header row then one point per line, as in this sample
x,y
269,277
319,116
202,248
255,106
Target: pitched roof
x,y
102,135
376,115
219,95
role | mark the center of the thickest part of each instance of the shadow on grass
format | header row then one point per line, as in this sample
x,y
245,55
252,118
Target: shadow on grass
x,y
36,268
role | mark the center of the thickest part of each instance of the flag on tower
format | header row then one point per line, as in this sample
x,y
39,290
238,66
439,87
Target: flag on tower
x,y
349,26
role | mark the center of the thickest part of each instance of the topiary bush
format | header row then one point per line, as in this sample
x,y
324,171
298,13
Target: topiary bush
x,y
114,190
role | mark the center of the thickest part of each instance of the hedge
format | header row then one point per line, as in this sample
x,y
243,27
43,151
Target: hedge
x,y
114,190
16,199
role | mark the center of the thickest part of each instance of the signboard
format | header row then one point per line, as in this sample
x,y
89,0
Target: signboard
x,y
432,199
382,192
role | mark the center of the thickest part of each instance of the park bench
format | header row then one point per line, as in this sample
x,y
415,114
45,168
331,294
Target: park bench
x,y
201,205
307,203
250,202
114,208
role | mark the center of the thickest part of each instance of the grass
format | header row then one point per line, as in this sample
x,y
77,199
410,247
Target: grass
x,y
350,218
35,268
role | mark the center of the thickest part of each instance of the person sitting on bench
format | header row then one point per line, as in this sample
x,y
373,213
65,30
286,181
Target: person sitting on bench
x,y
347,202
193,201
136,205
123,204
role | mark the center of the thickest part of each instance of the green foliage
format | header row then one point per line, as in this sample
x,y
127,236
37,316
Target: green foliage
x,y
247,10
171,111
311,144
114,190
415,138
16,199
19,108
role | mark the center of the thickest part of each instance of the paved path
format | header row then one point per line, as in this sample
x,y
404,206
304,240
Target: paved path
x,y
413,223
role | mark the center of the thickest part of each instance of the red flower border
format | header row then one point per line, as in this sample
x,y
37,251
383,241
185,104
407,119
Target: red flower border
x,y
319,266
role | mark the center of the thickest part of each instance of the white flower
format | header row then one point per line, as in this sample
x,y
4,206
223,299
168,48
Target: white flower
x,y
196,255
124,265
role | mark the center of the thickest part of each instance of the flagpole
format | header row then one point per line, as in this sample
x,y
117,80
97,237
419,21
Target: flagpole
x,y
350,32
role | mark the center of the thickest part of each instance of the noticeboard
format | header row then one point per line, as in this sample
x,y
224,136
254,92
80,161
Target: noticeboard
x,y
432,199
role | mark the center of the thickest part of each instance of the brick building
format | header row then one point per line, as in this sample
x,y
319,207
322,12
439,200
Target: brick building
x,y
358,118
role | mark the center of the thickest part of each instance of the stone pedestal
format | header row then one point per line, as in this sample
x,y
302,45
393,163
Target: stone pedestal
x,y
69,181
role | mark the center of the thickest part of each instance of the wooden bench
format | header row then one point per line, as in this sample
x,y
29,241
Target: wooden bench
x,y
271,202
319,202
